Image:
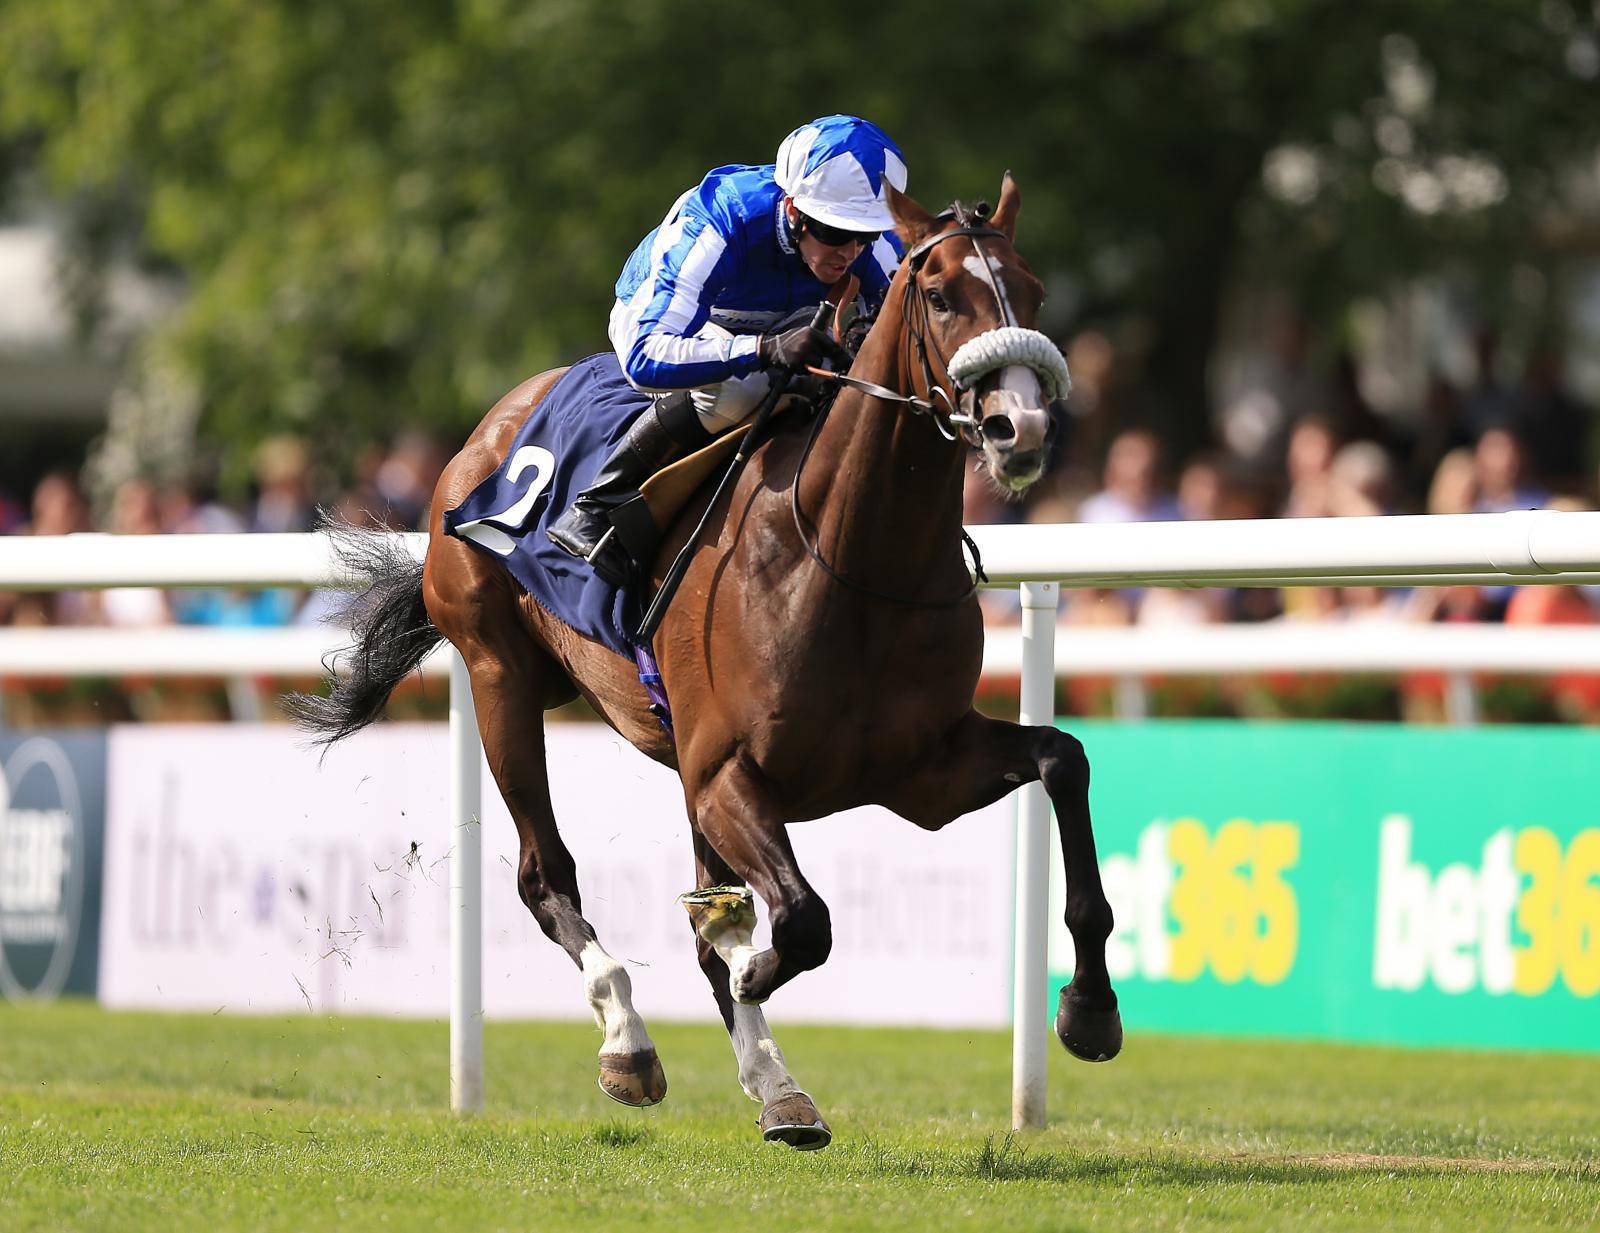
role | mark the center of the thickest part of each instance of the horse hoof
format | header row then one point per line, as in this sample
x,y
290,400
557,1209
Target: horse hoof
x,y
1090,1035
794,1120
633,1079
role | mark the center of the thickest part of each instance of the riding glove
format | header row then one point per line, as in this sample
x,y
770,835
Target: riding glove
x,y
801,346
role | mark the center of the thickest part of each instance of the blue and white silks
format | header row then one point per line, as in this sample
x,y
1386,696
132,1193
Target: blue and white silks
x,y
720,269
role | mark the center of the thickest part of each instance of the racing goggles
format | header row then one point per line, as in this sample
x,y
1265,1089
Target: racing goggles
x,y
838,237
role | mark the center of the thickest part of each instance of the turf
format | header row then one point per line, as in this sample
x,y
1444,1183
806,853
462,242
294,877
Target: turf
x,y
120,1121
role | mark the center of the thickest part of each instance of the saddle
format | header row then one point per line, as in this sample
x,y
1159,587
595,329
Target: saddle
x,y
642,521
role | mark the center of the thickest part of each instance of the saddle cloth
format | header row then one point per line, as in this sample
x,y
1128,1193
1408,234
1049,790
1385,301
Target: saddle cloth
x,y
554,457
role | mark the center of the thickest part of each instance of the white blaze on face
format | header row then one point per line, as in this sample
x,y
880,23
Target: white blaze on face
x,y
610,992
975,267
1024,383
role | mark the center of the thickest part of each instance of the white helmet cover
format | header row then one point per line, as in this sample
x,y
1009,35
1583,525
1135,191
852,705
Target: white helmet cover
x,y
835,168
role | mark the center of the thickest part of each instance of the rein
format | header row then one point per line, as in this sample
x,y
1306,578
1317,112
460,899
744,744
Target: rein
x,y
965,423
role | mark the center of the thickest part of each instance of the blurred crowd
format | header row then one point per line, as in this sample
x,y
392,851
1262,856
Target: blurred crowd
x,y
1296,441
391,490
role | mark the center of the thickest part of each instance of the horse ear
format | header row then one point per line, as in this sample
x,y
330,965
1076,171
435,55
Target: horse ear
x,y
1005,214
912,222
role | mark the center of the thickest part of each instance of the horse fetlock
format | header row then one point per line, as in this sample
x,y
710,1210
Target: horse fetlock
x,y
609,988
753,975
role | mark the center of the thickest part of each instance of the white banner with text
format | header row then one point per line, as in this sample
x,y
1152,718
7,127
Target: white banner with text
x,y
244,875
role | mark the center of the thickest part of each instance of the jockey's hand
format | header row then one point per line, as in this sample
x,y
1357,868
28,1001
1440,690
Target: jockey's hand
x,y
803,345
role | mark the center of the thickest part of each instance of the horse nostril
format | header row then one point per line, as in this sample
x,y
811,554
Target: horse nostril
x,y
998,428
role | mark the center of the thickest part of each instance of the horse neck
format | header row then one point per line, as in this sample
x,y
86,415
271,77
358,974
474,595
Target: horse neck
x,y
883,486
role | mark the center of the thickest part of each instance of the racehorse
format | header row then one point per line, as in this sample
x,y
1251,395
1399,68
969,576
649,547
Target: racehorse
x,y
822,653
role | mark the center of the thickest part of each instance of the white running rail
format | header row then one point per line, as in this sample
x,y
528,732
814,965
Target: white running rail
x,y
1525,547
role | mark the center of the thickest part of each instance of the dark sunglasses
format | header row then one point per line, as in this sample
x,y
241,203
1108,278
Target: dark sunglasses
x,y
838,237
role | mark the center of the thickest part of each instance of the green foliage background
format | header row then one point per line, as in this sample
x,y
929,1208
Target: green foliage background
x,y
389,214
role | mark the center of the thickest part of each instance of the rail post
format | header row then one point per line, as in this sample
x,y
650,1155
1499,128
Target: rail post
x,y
466,896
1040,602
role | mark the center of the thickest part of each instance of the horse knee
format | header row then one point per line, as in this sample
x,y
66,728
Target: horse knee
x,y
1063,764
802,932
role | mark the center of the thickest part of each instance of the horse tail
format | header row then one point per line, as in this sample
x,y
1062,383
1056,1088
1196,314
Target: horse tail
x,y
391,627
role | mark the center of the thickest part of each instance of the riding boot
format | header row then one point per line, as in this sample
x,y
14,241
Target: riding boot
x,y
668,429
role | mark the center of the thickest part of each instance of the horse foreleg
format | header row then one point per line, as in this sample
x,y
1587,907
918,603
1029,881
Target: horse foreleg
x,y
788,1114
736,813
505,692
979,762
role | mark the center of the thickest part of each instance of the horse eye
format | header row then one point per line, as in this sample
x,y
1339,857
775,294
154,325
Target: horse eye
x,y
937,302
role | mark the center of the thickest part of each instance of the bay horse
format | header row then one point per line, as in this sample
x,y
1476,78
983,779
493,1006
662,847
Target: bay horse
x,y
822,653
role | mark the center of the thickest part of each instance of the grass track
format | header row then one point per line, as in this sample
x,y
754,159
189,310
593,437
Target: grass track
x,y
119,1121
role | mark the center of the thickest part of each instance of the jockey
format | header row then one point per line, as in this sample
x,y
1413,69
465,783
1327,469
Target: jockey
x,y
703,301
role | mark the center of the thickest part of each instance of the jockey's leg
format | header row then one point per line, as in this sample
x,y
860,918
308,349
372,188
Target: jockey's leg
x,y
668,428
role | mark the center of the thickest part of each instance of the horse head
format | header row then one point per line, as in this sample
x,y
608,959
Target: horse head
x,y
969,303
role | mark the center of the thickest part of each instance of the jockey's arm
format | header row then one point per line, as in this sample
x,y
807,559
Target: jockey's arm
x,y
663,345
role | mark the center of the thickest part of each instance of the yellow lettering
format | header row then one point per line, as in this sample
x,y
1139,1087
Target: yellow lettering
x,y
1538,855
1277,850
1190,849
1580,915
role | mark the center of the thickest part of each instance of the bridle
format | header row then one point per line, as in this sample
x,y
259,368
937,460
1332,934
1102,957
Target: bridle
x,y
958,421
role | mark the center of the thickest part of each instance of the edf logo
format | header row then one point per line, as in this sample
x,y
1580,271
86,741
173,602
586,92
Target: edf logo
x,y
41,870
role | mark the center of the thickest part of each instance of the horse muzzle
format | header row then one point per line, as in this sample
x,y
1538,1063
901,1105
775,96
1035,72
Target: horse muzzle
x,y
1014,432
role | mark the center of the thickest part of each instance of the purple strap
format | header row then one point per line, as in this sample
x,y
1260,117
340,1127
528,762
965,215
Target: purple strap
x,y
650,678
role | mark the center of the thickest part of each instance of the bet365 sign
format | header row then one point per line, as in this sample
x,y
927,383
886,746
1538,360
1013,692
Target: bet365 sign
x,y
1354,882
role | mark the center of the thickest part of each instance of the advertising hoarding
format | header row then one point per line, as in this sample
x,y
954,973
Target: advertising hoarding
x,y
242,874
52,818
1351,882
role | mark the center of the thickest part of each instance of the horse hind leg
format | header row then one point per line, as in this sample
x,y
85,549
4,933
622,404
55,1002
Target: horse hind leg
x,y
723,925
983,760
510,677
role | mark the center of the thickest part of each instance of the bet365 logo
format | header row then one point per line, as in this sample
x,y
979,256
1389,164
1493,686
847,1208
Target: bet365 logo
x,y
1527,914
1191,901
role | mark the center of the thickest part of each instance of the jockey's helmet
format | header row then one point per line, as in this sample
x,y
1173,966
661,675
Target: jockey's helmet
x,y
835,169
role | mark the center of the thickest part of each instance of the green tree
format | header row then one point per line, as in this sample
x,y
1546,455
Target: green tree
x,y
389,214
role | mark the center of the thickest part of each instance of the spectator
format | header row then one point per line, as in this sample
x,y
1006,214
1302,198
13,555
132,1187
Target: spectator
x,y
1555,425
135,510
1498,461
1488,404
189,507
1309,458
1202,495
283,472
1454,487
1130,491
405,478
1363,480
1440,433
58,507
